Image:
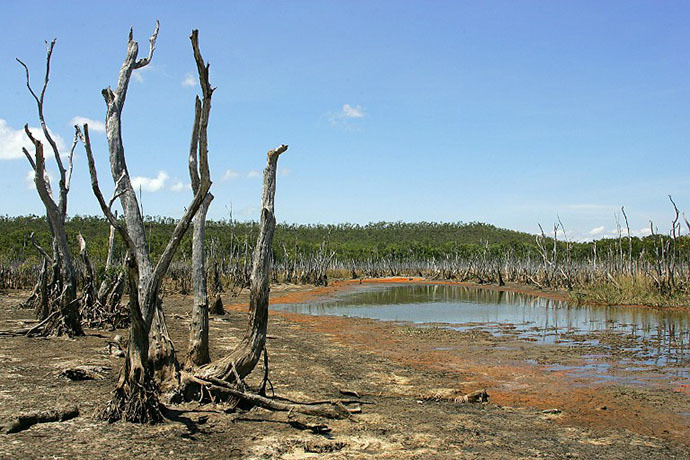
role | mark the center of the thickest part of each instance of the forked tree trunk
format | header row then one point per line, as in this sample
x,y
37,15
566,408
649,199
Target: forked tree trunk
x,y
244,358
150,348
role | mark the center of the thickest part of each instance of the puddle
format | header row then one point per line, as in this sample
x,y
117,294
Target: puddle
x,y
649,339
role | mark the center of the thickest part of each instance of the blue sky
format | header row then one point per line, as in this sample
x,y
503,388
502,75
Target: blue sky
x,y
511,113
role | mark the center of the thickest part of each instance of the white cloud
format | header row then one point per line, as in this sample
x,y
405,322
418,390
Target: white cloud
x,y
12,141
94,125
284,172
230,174
29,179
179,186
346,113
189,80
150,184
353,112
253,173
597,231
644,231
137,76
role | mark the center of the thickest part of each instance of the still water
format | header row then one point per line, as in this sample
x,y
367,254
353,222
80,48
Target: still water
x,y
653,336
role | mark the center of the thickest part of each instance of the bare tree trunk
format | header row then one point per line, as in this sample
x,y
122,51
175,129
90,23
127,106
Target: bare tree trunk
x,y
61,303
244,358
111,246
136,396
197,354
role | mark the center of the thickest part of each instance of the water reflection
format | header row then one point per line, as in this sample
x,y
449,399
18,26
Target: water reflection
x,y
658,337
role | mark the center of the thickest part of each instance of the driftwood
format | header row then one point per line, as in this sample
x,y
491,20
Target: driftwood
x,y
478,396
334,409
29,419
29,331
79,373
294,420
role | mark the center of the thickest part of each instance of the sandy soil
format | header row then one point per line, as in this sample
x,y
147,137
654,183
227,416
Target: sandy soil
x,y
395,368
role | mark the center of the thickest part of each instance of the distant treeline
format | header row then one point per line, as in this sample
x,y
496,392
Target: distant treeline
x,y
396,240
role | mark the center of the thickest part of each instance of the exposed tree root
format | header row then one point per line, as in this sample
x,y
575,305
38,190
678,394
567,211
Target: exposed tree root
x,y
134,403
217,306
27,420
104,310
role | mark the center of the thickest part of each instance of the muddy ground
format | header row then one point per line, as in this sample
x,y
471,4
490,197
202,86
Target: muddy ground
x,y
534,411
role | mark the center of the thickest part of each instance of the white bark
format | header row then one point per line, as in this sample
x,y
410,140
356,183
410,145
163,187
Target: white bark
x,y
244,358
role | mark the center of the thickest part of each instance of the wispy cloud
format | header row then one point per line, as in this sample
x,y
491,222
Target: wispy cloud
x,y
597,231
150,184
230,174
249,211
138,74
284,172
589,207
253,173
179,186
189,80
353,112
346,114
12,141
94,125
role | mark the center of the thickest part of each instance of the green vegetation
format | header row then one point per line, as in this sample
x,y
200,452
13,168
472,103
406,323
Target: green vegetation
x,y
349,241
654,270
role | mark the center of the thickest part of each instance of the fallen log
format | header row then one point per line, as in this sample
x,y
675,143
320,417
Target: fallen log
x,y
457,396
290,419
28,331
328,409
27,420
83,373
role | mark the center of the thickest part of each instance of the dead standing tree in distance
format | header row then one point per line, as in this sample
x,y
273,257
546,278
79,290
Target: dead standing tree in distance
x,y
136,398
197,352
56,302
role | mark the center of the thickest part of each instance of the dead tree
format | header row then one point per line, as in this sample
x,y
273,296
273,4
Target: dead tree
x,y
60,302
136,397
197,353
241,361
630,257
101,308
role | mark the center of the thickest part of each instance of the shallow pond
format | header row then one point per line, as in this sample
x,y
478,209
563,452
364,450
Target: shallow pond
x,y
649,337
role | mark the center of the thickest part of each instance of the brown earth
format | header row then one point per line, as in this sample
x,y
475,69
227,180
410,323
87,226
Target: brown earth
x,y
397,369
